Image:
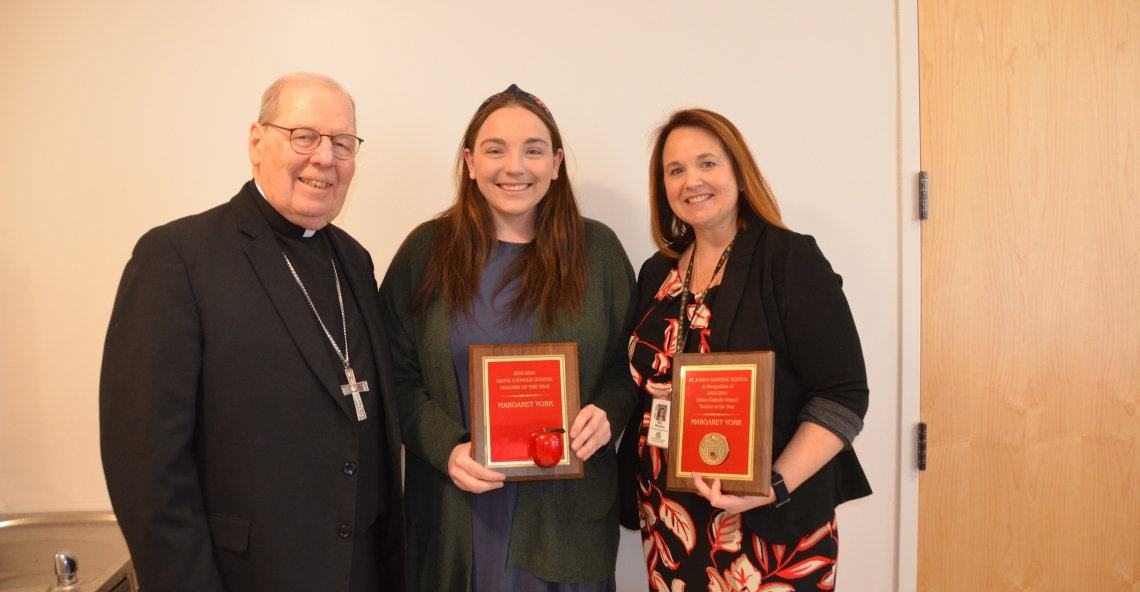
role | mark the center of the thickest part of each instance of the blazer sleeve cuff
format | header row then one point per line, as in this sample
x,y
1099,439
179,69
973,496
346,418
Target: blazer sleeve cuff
x,y
840,420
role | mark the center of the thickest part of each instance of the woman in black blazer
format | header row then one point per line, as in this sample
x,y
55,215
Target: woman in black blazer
x,y
748,284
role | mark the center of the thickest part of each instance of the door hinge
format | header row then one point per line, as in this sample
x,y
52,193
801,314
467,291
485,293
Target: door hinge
x,y
922,446
923,195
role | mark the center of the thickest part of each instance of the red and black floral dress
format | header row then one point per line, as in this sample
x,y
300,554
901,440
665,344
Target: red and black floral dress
x,y
688,543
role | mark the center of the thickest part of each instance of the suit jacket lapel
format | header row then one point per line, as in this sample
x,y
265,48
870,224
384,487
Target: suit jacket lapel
x,y
732,286
265,255
363,290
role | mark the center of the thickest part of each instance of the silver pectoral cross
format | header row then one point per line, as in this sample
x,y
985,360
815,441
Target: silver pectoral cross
x,y
353,389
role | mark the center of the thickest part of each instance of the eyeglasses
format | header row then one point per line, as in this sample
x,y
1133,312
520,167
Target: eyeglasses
x,y
306,141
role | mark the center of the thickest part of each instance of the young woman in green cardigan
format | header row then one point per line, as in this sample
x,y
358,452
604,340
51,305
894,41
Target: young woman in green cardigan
x,y
511,261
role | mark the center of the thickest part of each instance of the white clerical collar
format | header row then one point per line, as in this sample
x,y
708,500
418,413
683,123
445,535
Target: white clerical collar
x,y
308,233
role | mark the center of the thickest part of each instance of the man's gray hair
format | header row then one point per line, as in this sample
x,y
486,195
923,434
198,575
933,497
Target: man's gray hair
x,y
272,94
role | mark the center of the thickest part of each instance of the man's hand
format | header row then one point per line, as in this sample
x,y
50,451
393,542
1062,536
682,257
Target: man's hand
x,y
469,475
591,431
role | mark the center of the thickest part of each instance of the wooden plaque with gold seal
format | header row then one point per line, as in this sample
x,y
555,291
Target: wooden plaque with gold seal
x,y
722,421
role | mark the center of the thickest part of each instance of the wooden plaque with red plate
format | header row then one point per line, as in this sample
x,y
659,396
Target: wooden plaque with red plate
x,y
518,394
722,421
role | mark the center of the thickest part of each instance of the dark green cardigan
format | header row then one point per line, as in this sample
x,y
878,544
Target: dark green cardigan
x,y
564,531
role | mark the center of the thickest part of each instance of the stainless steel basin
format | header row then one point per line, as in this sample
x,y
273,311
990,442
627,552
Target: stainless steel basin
x,y
29,544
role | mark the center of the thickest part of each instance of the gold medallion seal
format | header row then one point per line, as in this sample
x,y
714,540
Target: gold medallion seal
x,y
714,449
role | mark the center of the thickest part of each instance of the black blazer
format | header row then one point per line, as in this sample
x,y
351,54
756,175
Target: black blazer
x,y
224,432
778,293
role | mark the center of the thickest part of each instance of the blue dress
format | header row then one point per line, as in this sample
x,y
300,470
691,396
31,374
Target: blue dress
x,y
492,513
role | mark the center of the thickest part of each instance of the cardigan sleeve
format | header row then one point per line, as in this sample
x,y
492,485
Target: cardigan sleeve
x,y
616,394
426,429
823,343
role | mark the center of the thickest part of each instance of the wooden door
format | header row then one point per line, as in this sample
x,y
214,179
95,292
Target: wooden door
x,y
1030,125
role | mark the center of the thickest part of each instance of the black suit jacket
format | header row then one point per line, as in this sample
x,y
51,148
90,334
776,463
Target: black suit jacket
x,y
224,432
778,293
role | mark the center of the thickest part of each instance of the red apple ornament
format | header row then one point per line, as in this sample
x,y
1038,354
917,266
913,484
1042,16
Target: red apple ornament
x,y
546,447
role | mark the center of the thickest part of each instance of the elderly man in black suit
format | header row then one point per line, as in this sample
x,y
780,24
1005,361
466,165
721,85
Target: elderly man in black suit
x,y
248,436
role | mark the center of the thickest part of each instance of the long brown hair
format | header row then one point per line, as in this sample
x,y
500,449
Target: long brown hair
x,y
553,266
670,233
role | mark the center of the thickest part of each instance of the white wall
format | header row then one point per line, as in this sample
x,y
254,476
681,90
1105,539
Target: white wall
x,y
119,116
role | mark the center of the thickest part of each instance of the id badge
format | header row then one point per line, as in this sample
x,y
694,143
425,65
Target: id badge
x,y
659,424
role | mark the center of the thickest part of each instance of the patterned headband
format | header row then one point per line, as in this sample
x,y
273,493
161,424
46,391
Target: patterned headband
x,y
515,90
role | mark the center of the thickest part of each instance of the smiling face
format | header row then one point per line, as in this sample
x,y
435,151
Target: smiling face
x,y
307,189
700,181
513,162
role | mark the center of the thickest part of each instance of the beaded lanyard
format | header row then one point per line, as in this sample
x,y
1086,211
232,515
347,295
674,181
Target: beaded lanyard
x,y
699,299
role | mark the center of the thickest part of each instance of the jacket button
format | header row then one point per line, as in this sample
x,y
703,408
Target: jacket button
x,y
345,531
349,469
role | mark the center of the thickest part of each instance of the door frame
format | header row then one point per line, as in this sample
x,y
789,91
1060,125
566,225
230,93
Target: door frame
x,y
910,288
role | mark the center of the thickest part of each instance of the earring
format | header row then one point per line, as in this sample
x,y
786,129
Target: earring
x,y
679,227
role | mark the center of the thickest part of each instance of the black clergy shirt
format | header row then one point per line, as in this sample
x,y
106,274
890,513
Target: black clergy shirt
x,y
312,258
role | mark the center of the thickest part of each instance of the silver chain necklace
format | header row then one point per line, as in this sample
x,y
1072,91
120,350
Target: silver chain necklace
x,y
353,388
